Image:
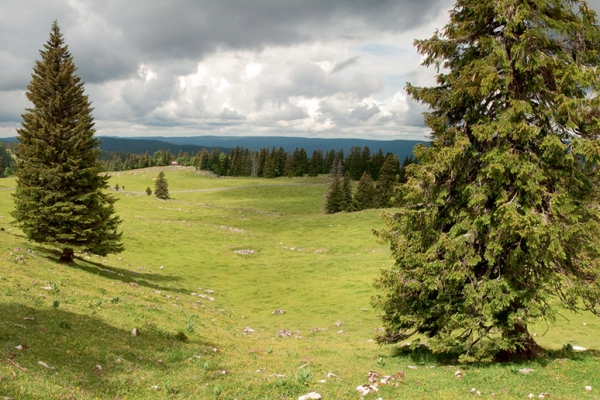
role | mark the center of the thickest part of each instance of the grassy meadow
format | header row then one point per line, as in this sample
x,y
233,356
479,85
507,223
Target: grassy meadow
x,y
184,285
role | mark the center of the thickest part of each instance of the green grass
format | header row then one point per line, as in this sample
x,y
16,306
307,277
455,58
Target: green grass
x,y
318,268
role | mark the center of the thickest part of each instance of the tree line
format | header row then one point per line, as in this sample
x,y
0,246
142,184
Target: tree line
x,y
265,162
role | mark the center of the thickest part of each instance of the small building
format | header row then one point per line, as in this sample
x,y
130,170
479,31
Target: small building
x,y
174,163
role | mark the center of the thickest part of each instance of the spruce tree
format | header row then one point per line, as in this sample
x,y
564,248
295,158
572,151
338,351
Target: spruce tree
x,y
387,181
161,187
59,198
498,223
334,199
365,196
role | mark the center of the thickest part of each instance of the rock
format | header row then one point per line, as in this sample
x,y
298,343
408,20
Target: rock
x,y
526,370
248,330
28,319
373,376
135,332
97,368
588,388
208,291
398,376
278,312
332,375
411,367
578,348
458,374
133,284
366,389
43,364
311,396
543,395
284,333
19,347
338,323
340,331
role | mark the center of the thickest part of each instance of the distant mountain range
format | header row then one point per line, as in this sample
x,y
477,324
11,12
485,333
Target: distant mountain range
x,y
402,148
193,144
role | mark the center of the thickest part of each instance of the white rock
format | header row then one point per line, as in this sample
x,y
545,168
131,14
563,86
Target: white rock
x,y
411,367
588,388
366,389
311,396
154,387
458,374
161,267
579,348
248,330
135,332
338,323
43,364
531,396
98,368
526,370
332,375
543,395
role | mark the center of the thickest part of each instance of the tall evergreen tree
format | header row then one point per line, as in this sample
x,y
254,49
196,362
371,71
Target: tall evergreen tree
x,y
59,198
161,186
386,182
498,224
365,196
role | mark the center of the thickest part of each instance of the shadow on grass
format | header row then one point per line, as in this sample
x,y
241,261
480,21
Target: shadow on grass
x,y
423,355
73,346
149,280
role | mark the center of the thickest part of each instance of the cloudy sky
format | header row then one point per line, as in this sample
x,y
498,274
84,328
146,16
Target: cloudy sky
x,y
311,68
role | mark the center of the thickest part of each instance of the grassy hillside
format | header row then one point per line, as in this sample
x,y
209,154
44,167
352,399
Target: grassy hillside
x,y
184,284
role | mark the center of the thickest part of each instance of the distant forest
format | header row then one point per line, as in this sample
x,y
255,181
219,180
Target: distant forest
x,y
267,163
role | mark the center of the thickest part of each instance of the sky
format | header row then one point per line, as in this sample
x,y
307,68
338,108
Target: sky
x,y
308,68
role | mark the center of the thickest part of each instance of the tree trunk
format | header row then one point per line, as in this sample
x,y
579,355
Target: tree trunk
x,y
66,256
528,348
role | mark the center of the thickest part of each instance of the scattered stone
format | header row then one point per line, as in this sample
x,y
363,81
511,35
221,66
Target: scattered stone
x,y
284,333
584,324
588,388
154,387
159,362
135,332
458,374
311,396
244,252
373,376
531,396
338,323
340,331
318,329
411,367
386,380
526,370
43,364
97,369
133,284
543,395
366,389
278,312
208,291
19,347
28,319
248,330
578,348
161,267
47,287
157,292
332,375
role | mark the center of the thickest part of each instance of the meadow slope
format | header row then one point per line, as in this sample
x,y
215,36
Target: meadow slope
x,y
220,257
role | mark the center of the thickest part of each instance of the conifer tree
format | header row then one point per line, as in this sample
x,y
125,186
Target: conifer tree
x,y
365,196
59,198
148,191
334,199
386,182
161,186
498,223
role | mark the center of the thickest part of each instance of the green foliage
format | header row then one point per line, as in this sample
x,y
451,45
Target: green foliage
x,y
148,191
365,196
304,376
161,187
498,223
59,199
387,182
